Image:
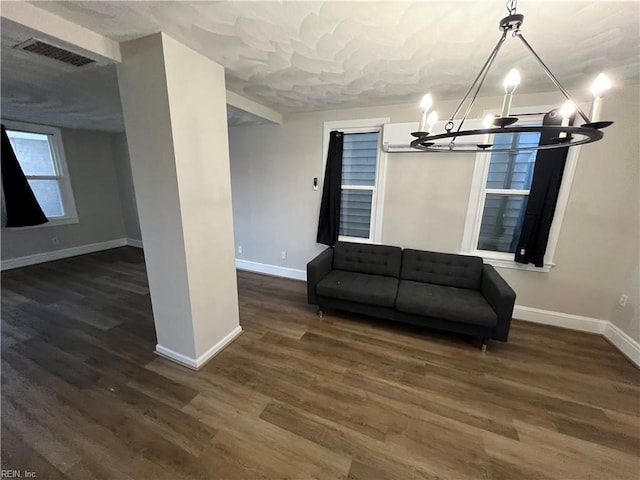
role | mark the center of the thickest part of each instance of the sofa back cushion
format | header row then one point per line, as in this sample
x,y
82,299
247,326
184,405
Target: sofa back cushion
x,y
367,258
447,269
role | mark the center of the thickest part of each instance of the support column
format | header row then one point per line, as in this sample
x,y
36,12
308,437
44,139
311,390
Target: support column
x,y
174,107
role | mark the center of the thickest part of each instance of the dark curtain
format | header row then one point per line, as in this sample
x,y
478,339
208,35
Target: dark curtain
x,y
545,186
21,205
329,221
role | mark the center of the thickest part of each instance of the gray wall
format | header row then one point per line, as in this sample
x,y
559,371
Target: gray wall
x,y
628,318
90,159
426,197
125,183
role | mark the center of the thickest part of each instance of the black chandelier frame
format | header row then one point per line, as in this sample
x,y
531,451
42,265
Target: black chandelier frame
x,y
564,136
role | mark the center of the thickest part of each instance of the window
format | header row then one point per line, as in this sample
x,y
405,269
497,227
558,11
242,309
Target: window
x,y
498,200
359,162
506,193
41,156
363,163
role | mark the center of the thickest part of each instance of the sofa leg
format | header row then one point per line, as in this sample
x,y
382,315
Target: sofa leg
x,y
483,344
320,312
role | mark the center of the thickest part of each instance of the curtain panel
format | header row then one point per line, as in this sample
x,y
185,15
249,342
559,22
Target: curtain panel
x,y
543,196
329,219
21,205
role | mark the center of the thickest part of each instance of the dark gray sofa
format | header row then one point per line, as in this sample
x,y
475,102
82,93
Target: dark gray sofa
x,y
457,293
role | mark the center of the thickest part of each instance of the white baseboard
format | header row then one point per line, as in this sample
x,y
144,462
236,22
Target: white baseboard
x,y
623,342
197,363
43,257
134,242
627,345
560,319
59,254
274,270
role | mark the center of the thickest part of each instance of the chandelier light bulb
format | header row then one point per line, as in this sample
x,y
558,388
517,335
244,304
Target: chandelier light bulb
x,y
568,109
511,81
425,106
600,85
431,120
426,103
487,122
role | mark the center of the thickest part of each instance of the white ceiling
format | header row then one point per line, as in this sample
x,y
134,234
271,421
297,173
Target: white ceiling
x,y
295,56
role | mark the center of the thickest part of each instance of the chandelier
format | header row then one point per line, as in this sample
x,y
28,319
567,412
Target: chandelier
x,y
466,140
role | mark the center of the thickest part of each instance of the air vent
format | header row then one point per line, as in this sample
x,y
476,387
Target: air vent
x,y
51,51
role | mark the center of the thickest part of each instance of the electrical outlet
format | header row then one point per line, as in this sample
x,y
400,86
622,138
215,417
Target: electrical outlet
x,y
54,240
284,255
623,300
240,249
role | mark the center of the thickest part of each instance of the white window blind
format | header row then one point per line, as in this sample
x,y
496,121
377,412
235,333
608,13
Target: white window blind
x,y
359,169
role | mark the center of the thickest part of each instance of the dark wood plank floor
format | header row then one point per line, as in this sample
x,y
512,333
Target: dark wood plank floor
x,y
84,397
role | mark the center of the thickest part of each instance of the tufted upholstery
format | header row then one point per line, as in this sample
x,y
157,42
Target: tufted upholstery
x,y
364,258
359,287
455,293
446,269
450,303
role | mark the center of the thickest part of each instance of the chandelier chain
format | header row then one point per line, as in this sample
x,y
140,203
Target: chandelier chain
x,y
512,6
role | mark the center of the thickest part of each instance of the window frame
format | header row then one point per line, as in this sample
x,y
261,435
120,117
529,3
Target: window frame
x,y
60,166
368,125
479,193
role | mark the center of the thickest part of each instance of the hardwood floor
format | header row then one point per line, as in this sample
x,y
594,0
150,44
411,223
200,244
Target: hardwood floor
x,y
295,396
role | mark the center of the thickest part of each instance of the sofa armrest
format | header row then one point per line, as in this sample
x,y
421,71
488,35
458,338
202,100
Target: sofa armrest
x,y
501,297
317,269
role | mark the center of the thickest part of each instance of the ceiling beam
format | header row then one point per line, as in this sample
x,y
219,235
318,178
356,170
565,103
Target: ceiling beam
x,y
255,108
63,32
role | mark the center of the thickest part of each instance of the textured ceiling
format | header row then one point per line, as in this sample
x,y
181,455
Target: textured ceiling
x,y
295,56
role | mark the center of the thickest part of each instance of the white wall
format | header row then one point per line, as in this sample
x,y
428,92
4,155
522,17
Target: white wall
x,y
426,197
90,159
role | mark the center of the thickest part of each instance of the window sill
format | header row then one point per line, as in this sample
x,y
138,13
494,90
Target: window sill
x,y
501,261
55,222
367,241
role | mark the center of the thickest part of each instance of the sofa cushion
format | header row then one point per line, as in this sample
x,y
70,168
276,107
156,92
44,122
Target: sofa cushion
x,y
447,269
447,303
359,287
367,258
